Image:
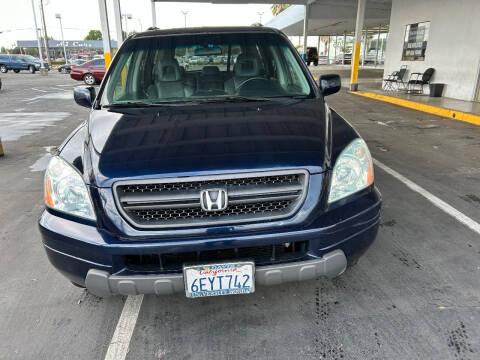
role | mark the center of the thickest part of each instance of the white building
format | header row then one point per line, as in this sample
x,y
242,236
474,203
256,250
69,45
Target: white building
x,y
439,34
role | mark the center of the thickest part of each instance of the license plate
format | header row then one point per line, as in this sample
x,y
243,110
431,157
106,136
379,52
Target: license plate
x,y
219,279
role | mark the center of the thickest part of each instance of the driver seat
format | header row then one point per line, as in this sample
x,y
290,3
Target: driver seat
x,y
246,67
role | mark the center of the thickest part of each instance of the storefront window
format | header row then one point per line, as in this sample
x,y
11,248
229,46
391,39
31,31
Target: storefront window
x,y
416,39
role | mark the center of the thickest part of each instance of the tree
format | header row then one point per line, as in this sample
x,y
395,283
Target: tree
x,y
3,50
278,8
94,35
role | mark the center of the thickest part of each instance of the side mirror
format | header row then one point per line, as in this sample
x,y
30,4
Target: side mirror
x,y
330,84
84,95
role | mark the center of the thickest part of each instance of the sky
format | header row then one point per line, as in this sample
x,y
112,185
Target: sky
x,y
79,16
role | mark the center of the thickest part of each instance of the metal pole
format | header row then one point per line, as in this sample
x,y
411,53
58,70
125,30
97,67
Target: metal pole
x,y
126,24
344,45
59,17
378,45
118,22
154,14
328,50
335,50
39,44
107,50
318,45
305,30
45,36
364,48
357,45
184,18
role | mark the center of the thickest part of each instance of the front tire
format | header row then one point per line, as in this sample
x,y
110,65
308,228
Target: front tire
x,y
3,69
89,79
31,68
315,63
16,71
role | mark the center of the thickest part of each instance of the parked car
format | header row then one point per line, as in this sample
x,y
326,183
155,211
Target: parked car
x,y
323,60
38,61
67,67
17,63
344,59
91,72
312,56
208,181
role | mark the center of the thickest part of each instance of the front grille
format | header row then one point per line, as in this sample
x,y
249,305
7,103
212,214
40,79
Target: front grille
x,y
176,202
261,255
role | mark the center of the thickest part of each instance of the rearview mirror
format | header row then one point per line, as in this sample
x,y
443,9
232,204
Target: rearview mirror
x,y
84,95
330,84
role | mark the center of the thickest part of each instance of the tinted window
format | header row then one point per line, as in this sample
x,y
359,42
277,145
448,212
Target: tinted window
x,y
3,57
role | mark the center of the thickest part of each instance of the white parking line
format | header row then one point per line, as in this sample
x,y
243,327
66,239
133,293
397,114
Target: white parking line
x,y
439,203
118,348
39,90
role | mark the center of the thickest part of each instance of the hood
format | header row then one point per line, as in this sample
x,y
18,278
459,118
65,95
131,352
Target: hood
x,y
206,139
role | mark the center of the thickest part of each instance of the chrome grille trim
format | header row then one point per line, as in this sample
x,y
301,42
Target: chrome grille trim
x,y
175,202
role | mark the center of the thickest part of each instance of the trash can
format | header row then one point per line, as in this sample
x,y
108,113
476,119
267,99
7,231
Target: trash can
x,y
436,89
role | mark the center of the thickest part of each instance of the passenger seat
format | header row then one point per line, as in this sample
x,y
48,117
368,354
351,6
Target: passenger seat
x,y
170,82
210,79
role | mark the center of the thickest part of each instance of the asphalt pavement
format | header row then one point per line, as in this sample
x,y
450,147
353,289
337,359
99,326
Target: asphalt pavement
x,y
414,295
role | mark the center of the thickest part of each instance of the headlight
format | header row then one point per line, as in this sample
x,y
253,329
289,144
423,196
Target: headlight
x,y
66,191
352,172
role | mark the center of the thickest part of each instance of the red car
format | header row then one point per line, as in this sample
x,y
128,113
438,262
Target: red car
x,y
91,72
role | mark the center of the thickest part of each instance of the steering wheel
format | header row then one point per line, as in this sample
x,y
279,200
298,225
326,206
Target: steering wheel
x,y
248,80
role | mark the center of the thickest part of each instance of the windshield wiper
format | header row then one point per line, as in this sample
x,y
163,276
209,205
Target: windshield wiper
x,y
131,104
234,99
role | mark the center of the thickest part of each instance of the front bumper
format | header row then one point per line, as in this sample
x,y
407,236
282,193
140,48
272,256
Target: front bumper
x,y
101,283
93,257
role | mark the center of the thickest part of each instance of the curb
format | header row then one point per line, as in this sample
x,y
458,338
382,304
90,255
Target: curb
x,y
435,110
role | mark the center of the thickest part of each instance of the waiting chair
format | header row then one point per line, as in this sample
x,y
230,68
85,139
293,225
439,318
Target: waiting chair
x,y
393,81
418,80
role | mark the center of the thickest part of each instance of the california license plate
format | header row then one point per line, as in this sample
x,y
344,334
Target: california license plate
x,y
219,279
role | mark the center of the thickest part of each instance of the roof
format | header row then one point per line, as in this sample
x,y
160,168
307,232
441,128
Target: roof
x,y
206,30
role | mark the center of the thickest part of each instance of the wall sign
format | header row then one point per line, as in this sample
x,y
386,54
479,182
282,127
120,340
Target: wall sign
x,y
416,39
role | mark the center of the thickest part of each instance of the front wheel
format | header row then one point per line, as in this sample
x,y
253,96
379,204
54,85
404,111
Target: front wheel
x,y
315,63
16,71
31,68
3,69
89,79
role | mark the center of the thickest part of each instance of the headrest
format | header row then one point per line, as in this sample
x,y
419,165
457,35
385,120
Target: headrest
x,y
210,70
169,70
247,65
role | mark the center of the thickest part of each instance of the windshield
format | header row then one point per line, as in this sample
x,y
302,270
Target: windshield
x,y
185,68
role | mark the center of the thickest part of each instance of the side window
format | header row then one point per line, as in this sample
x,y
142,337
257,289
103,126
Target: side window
x,y
297,81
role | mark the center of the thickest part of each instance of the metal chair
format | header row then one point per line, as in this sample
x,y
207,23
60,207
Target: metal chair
x,y
393,81
420,80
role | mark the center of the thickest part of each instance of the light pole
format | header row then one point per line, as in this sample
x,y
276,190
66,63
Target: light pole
x,y
38,37
59,17
184,17
45,36
260,14
129,17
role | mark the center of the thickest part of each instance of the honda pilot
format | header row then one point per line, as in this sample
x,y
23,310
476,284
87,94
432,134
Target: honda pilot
x,y
212,180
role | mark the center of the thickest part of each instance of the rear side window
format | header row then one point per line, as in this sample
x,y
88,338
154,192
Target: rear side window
x,y
3,57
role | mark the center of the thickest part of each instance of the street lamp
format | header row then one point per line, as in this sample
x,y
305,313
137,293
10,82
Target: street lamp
x,y
129,17
59,17
184,17
260,14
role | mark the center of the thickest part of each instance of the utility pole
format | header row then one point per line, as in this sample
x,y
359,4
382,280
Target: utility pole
x,y
260,14
45,36
59,17
184,17
38,38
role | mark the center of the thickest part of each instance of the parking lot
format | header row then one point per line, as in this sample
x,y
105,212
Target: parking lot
x,y
414,295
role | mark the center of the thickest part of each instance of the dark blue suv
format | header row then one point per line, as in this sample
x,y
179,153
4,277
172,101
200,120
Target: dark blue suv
x,y
18,62
210,180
